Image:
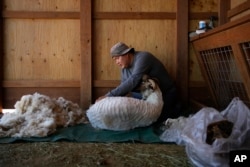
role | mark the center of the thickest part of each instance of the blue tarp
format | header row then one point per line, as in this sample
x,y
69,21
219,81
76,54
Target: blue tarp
x,y
86,133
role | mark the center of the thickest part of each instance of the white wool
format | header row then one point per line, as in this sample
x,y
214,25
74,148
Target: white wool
x,y
39,115
124,113
71,113
173,128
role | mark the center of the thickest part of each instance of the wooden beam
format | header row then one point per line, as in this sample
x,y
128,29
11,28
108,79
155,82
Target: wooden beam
x,y
40,15
56,84
106,83
1,57
97,15
40,83
86,53
224,27
239,9
224,6
182,49
102,15
202,15
134,15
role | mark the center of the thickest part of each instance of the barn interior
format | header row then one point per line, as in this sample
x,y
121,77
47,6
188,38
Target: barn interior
x,y
61,48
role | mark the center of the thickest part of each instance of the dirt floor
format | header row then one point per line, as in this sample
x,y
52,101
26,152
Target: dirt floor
x,y
70,154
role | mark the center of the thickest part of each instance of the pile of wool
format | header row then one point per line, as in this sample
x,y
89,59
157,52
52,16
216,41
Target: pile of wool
x,y
39,115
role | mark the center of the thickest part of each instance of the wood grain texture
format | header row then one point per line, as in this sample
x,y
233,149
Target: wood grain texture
x,y
44,5
182,59
155,36
135,6
41,49
86,53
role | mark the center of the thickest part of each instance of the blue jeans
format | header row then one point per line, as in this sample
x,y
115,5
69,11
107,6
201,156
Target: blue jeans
x,y
136,95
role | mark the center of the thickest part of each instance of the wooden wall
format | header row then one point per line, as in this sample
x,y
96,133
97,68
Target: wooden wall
x,y
61,47
239,8
41,49
199,6
154,35
142,24
197,85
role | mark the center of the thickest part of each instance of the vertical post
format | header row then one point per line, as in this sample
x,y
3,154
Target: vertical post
x,y
224,6
1,57
86,53
182,68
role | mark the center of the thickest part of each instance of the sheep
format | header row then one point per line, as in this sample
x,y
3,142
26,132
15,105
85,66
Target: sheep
x,y
125,113
39,115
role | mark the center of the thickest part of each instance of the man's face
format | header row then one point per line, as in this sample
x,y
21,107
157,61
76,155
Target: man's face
x,y
123,61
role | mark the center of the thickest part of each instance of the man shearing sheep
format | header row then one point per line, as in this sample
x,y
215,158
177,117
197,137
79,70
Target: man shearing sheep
x,y
134,64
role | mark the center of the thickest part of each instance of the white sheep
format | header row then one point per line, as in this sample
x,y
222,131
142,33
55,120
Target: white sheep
x,y
39,115
124,113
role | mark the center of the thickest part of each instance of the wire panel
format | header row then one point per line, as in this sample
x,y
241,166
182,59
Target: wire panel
x,y
246,50
223,74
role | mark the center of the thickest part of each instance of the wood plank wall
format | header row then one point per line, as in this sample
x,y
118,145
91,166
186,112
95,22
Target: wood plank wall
x,y
142,24
86,53
239,8
61,47
42,49
200,10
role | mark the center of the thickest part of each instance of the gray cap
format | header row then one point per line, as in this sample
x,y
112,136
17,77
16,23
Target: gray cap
x,y
120,49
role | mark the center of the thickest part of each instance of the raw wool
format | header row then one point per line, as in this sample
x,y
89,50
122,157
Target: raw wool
x,y
172,129
69,113
124,113
39,115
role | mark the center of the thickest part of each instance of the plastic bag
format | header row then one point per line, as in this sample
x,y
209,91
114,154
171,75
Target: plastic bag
x,y
193,134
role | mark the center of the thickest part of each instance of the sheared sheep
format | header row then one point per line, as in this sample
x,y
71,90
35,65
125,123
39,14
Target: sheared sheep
x,y
124,113
39,115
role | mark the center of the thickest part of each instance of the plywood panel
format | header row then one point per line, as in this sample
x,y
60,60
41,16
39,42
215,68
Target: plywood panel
x,y
195,74
42,5
239,10
235,3
199,6
86,53
41,49
194,69
247,12
135,5
203,5
155,36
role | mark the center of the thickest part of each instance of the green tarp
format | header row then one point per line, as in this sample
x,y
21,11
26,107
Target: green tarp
x,y
86,133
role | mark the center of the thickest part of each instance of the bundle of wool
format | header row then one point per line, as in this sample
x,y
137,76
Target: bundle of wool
x,y
39,115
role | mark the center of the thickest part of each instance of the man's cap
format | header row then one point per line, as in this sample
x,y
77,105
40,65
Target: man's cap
x,y
120,49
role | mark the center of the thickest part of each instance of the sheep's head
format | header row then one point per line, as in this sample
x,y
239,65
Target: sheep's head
x,y
148,85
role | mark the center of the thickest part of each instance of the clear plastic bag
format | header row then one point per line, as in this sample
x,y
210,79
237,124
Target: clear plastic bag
x,y
193,134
